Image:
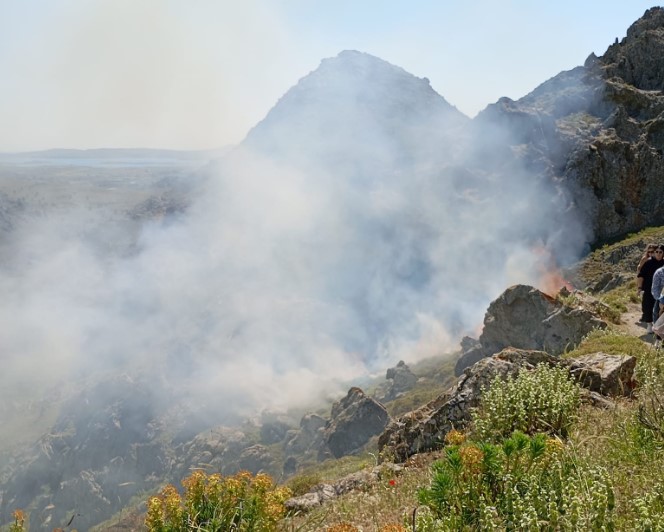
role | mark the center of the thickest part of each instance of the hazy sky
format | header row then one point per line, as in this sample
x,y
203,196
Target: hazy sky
x,y
198,74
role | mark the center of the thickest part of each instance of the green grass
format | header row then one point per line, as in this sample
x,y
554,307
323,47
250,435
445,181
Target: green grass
x,y
618,298
611,342
618,256
413,399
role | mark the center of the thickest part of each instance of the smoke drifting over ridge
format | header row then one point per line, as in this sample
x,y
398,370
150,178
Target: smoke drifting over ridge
x,y
349,231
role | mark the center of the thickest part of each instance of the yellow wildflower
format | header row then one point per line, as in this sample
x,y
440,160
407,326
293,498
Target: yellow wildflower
x,y
342,527
471,458
455,437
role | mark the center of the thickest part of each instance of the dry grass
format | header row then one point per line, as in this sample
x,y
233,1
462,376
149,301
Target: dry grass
x,y
389,502
614,440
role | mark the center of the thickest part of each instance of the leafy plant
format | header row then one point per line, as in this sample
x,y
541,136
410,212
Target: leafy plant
x,y
650,413
650,510
543,400
523,483
301,484
240,502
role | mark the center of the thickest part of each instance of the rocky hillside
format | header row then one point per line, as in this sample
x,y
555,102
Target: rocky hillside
x,y
391,207
596,130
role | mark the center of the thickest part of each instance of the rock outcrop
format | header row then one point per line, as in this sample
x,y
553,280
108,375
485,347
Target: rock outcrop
x,y
525,318
307,438
596,132
324,492
425,428
400,379
354,421
639,58
606,374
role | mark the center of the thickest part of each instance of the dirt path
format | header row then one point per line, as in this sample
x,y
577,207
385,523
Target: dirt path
x,y
629,323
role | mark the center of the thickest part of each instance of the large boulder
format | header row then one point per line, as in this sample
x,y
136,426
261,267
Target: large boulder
x,y
354,421
218,449
606,374
525,318
308,437
400,379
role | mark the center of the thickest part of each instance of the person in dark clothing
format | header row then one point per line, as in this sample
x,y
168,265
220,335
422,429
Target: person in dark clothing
x,y
649,252
644,282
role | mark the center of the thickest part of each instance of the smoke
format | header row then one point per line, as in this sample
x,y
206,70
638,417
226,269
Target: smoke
x,y
153,73
285,281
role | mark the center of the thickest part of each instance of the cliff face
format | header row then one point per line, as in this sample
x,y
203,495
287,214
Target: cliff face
x,y
597,131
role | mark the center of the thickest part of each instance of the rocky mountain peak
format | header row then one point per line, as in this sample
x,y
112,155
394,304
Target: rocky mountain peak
x,y
639,58
652,20
356,99
358,75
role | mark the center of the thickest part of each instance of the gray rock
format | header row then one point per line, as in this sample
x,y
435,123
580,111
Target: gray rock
x,y
311,500
354,421
274,431
595,399
425,428
525,318
355,481
639,58
606,374
468,358
468,343
309,437
399,380
403,379
256,458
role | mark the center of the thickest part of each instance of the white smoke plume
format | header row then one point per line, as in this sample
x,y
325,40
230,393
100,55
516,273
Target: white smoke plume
x,y
278,284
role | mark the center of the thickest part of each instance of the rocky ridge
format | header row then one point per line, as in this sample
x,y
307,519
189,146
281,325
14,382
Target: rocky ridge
x,y
596,130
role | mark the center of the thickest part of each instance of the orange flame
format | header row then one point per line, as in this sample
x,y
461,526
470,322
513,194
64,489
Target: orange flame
x,y
551,279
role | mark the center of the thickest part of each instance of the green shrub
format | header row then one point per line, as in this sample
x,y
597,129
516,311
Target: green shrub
x,y
650,375
650,510
543,400
240,502
525,483
301,484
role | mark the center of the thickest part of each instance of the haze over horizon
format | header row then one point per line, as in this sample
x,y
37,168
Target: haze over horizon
x,y
175,75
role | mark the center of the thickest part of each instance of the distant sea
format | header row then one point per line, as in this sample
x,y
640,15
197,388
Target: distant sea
x,y
111,158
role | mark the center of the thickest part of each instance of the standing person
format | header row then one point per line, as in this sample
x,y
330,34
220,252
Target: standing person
x,y
644,282
656,288
650,250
